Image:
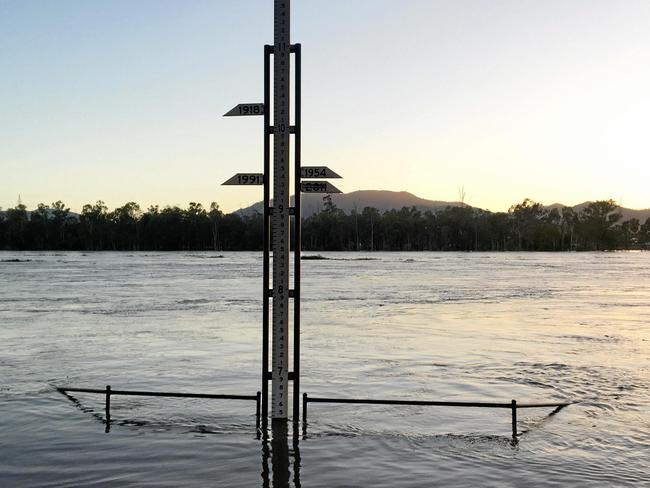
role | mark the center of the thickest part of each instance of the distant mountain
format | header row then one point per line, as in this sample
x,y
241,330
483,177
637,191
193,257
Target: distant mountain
x,y
628,213
379,199
387,200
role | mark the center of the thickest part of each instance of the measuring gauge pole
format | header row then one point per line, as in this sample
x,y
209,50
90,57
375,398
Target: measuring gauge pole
x,y
280,217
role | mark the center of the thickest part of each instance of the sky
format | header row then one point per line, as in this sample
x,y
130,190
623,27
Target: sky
x,y
123,101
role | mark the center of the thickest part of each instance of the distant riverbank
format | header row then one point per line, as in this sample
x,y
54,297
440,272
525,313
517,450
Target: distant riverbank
x,y
528,226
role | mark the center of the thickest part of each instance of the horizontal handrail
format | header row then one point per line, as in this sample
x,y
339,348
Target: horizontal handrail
x,y
109,392
512,405
160,393
435,403
544,405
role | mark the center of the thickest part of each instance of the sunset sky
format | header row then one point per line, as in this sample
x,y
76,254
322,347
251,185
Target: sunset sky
x,y
122,100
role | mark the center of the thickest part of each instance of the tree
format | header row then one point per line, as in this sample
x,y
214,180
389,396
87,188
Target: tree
x,y
527,226
550,234
328,204
125,229
568,226
16,221
39,222
3,231
93,221
215,216
628,236
596,222
171,226
526,217
369,218
60,214
197,226
644,235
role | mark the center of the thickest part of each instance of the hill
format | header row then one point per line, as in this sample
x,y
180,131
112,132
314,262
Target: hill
x,y
387,200
379,199
628,213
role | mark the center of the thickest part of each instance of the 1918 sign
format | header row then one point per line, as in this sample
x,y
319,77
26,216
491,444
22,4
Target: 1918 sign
x,y
244,109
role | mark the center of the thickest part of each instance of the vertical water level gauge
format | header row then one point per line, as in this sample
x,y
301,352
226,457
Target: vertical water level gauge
x,y
280,217
276,217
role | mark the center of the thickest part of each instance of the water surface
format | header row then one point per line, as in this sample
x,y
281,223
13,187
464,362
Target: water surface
x,y
430,326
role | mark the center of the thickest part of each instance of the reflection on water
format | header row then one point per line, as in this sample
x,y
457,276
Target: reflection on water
x,y
103,419
283,459
280,453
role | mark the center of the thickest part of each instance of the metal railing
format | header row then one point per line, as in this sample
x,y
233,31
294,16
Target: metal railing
x,y
109,392
512,405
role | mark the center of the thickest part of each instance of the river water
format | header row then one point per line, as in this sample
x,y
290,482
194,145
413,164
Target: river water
x,y
427,326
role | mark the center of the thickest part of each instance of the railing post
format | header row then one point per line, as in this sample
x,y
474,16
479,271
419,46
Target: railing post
x,y
258,400
108,405
514,420
304,409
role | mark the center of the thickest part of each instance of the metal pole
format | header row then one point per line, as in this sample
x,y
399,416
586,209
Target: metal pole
x,y
304,408
108,406
297,247
514,420
169,394
266,231
280,217
257,412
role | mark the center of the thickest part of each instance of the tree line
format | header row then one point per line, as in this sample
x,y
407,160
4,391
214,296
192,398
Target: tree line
x,y
527,226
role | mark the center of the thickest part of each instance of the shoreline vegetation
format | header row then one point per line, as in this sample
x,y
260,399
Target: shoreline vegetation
x,y
527,226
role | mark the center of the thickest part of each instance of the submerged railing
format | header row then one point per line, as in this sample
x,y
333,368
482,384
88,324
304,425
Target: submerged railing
x,y
108,392
512,405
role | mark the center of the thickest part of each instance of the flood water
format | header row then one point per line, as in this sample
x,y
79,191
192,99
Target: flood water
x,y
425,326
